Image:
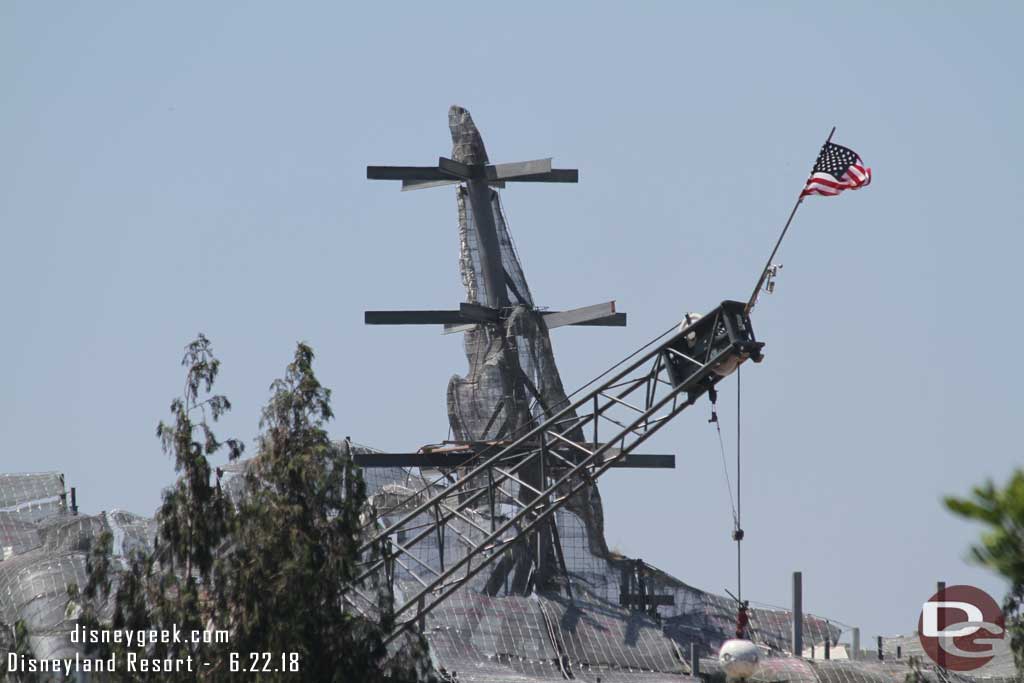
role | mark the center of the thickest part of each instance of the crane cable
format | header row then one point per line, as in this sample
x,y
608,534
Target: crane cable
x,y
725,471
734,502
737,534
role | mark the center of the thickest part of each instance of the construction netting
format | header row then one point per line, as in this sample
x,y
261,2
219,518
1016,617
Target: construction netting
x,y
512,380
44,551
576,623
575,629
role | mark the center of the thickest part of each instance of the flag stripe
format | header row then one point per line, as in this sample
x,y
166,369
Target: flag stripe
x,y
838,168
849,181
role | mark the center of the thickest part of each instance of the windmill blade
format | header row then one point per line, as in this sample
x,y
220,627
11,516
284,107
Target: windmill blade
x,y
408,185
517,169
453,328
555,175
613,320
587,315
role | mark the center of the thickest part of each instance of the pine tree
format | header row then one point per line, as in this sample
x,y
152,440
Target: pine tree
x,y
295,552
196,515
172,586
274,567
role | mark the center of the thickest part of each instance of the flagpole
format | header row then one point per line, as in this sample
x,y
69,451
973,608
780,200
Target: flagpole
x,y
764,272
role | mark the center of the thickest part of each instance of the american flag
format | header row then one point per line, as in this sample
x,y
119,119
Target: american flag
x,y
838,168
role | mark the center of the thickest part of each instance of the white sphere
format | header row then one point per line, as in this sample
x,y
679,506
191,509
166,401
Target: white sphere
x,y
738,658
727,366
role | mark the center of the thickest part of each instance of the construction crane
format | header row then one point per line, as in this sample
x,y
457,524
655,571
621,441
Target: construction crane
x,y
619,413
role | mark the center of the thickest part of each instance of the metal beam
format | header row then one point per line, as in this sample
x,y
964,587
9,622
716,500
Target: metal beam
x,y
478,314
448,169
413,317
459,169
469,315
460,458
406,173
487,242
797,632
647,461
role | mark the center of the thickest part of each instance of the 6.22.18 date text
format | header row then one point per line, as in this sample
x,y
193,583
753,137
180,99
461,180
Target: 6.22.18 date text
x,y
264,662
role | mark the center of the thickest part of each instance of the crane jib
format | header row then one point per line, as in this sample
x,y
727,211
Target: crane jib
x,y
618,414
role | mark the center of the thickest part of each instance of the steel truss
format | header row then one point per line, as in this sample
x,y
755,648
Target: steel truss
x,y
486,509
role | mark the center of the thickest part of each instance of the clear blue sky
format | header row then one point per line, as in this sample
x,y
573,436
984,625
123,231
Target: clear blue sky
x,y
182,167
